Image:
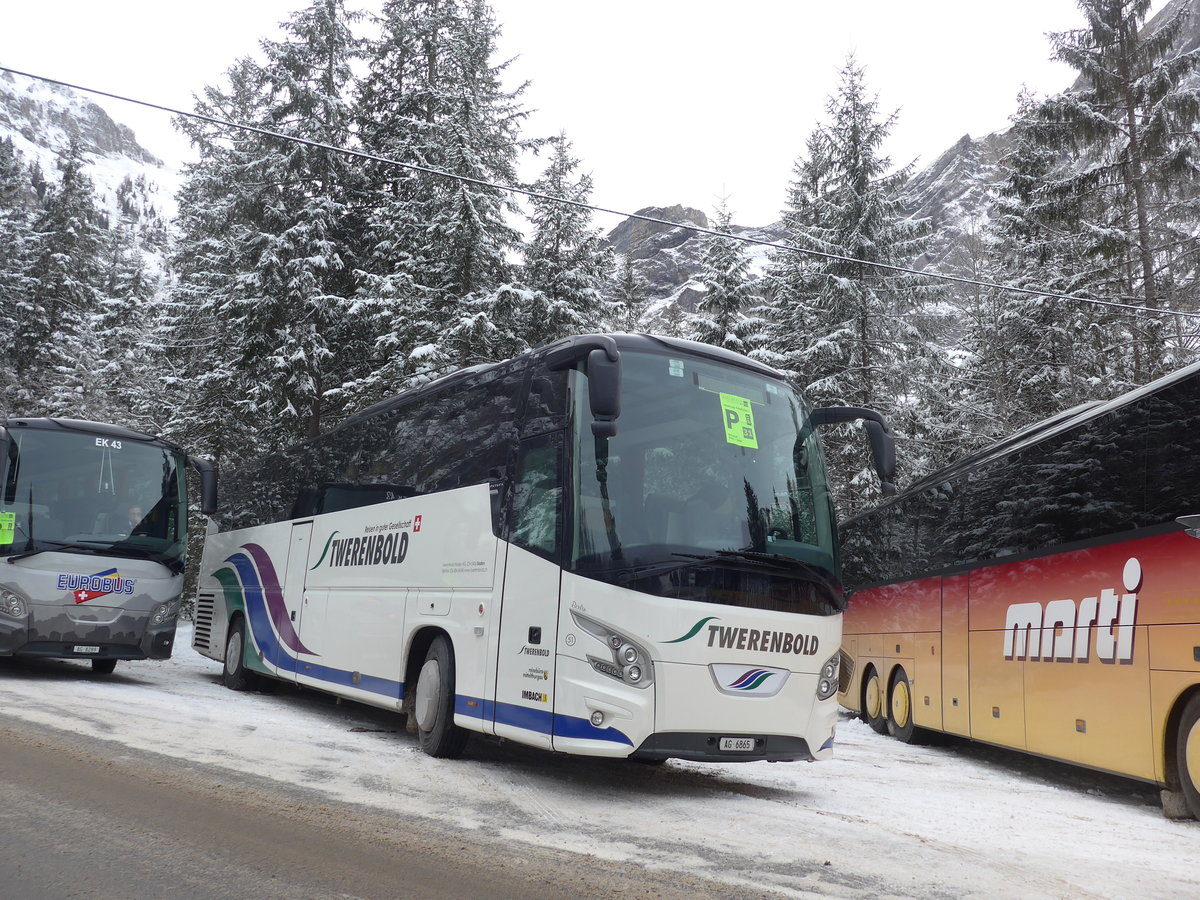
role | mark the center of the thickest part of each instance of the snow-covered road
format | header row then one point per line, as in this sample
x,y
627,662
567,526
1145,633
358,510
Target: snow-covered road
x,y
880,820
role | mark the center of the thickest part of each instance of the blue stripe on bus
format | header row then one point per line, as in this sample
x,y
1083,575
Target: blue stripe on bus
x,y
536,720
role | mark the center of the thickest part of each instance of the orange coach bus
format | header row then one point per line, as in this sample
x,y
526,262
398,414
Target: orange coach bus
x,y
1043,594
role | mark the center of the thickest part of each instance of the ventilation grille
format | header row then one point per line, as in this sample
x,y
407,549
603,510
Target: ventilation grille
x,y
845,671
202,638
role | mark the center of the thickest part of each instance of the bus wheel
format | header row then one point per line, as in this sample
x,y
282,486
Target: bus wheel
x,y
873,712
104,666
900,708
235,675
1187,755
434,703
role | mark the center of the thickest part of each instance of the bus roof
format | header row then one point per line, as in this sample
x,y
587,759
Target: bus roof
x,y
1046,428
635,342
87,427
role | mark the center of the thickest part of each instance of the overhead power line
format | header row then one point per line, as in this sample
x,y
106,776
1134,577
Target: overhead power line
x,y
833,257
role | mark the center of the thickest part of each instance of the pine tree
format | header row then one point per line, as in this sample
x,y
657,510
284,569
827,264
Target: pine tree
x,y
629,297
269,228
565,260
54,347
838,323
722,315
1129,146
432,99
16,249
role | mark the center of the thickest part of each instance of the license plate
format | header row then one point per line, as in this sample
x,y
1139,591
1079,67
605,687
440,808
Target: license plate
x,y
86,648
737,745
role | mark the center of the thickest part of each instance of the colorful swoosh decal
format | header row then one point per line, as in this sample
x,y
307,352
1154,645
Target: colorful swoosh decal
x,y
695,630
262,599
263,588
750,680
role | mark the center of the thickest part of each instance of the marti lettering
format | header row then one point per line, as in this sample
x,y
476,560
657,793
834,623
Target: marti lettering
x,y
1061,632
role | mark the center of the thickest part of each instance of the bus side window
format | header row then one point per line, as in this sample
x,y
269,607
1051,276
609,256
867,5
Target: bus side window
x,y
537,495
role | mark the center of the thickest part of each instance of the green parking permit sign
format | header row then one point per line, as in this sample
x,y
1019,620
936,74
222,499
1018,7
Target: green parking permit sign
x,y
8,525
739,421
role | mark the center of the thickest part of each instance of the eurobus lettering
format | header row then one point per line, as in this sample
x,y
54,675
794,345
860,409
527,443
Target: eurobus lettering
x,y
1044,594
573,517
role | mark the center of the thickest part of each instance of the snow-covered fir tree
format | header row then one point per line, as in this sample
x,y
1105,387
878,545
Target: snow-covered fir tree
x,y
276,259
1127,135
16,250
566,262
722,316
433,100
839,324
629,297
54,341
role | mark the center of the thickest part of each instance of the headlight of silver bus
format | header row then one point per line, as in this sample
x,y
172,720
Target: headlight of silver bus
x,y
12,604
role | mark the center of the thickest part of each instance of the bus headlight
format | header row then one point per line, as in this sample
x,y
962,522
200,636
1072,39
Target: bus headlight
x,y
827,684
628,661
12,604
162,614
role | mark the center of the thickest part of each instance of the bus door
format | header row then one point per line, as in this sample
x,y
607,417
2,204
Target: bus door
x,y
524,707
289,613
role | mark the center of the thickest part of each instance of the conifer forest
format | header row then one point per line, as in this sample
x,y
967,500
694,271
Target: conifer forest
x,y
298,284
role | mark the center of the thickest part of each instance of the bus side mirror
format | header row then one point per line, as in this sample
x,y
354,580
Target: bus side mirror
x,y
604,392
208,484
883,447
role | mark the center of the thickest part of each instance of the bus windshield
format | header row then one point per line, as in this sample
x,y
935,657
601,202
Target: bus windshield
x,y
712,465
81,492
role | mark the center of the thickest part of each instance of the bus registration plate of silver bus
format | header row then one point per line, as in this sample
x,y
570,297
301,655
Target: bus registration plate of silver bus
x,y
86,648
737,744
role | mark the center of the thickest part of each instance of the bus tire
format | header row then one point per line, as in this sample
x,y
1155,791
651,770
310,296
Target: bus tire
x,y
235,675
433,705
873,699
1187,755
104,666
900,707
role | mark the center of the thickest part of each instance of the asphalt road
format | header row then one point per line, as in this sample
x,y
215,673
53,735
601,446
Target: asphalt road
x,y
87,818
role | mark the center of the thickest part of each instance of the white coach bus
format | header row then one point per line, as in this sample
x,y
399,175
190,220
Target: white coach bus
x,y
614,546
93,534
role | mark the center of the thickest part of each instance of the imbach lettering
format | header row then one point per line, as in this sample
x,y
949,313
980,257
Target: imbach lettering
x,y
372,550
762,641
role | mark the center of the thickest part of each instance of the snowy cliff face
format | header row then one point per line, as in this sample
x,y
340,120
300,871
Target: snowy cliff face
x,y
669,256
41,118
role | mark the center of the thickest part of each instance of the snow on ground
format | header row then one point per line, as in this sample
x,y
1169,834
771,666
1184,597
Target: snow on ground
x,y
881,820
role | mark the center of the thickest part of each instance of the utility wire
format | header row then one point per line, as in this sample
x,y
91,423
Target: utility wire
x,y
835,257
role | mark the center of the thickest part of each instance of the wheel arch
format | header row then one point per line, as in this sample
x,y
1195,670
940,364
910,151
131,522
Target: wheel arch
x,y
1171,736
418,647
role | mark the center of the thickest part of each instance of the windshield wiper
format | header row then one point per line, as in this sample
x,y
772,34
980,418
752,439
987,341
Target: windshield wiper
x,y
171,562
103,548
58,545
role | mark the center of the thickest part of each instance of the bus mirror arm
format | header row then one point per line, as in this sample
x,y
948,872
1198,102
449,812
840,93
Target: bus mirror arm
x,y
208,484
883,447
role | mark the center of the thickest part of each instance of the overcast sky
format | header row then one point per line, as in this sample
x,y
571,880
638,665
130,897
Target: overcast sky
x,y
666,101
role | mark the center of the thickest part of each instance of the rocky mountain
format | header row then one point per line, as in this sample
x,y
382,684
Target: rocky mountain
x,y
40,119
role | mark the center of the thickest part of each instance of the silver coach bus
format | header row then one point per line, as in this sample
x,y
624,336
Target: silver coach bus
x,y
93,535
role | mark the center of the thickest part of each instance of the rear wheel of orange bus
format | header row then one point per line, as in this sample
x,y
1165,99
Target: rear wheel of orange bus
x,y
900,708
1187,755
873,712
